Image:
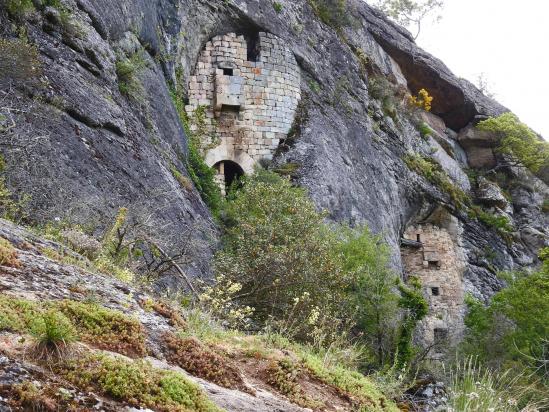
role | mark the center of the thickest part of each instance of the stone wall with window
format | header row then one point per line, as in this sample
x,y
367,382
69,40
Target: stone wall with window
x,y
430,253
242,98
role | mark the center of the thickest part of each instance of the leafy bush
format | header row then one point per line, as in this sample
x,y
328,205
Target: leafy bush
x,y
372,291
499,222
277,247
424,130
416,308
518,141
434,173
514,328
278,7
203,177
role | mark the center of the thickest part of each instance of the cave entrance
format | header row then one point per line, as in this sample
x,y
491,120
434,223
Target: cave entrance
x,y
228,172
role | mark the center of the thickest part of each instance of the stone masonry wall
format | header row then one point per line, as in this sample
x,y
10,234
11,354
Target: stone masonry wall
x,y
435,262
240,108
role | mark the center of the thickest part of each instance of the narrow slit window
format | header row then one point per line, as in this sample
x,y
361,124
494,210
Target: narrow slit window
x,y
419,238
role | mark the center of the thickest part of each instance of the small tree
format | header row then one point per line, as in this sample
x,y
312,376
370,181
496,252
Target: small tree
x,y
373,290
514,328
282,255
517,141
410,13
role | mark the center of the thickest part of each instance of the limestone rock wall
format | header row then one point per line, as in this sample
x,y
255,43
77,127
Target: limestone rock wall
x,y
97,149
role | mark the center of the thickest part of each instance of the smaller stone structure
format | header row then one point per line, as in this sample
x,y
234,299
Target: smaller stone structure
x,y
429,252
242,99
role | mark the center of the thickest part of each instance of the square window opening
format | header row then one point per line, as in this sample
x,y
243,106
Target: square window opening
x,y
228,72
433,264
435,291
440,335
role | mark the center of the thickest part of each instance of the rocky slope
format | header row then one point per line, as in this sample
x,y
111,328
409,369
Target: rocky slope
x,y
113,319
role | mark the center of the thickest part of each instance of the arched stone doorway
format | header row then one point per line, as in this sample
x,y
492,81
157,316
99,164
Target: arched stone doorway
x,y
228,172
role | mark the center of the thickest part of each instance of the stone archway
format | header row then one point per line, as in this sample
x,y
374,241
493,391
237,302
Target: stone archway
x,y
228,172
223,153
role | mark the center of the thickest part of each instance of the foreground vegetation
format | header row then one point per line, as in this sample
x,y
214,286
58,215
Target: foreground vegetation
x,y
289,283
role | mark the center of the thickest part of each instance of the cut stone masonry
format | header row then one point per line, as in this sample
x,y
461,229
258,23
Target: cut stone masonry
x,y
242,99
429,252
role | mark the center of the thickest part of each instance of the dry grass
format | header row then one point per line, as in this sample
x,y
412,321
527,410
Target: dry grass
x,y
8,254
201,361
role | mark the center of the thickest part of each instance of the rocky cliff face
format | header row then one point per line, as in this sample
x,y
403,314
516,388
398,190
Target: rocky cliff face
x,y
92,146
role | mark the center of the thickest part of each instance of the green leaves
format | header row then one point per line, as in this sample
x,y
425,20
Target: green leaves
x,y
277,246
518,141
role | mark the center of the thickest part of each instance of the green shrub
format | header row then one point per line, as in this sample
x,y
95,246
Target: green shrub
x,y
200,173
127,70
518,141
434,173
424,130
137,383
501,223
18,9
514,327
372,292
331,12
278,7
281,255
203,178
416,308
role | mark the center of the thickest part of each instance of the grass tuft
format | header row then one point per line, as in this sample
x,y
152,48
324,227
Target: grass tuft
x,y
53,333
